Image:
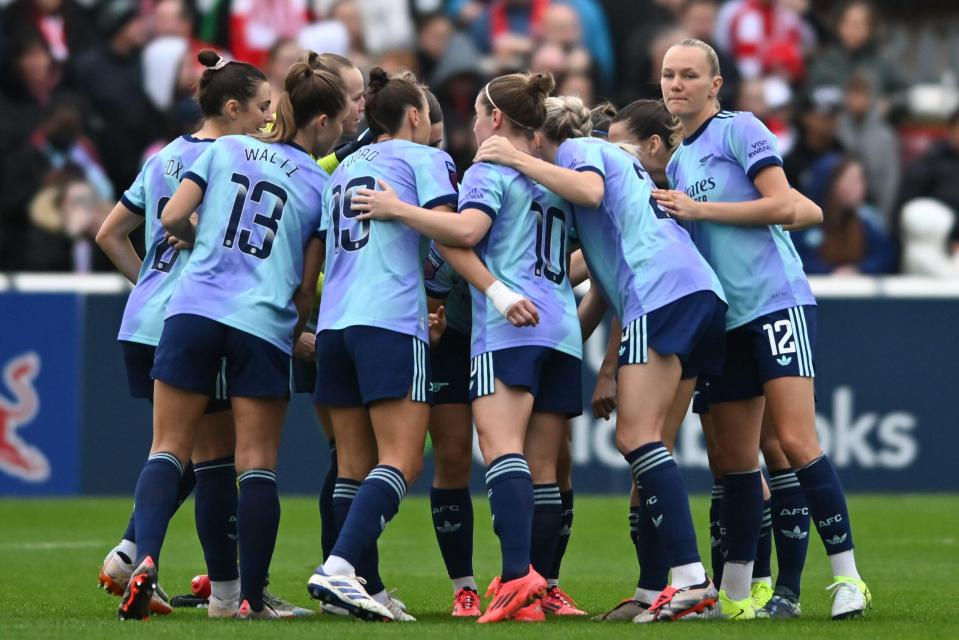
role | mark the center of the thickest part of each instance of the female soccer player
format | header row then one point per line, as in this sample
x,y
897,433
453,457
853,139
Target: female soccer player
x,y
243,296
519,377
672,311
233,98
729,184
373,371
451,430
355,88
524,381
656,134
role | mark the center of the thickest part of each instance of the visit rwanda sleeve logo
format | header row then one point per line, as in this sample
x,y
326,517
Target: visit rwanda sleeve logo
x,y
19,405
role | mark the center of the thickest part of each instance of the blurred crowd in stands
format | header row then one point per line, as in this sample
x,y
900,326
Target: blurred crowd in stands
x,y
861,95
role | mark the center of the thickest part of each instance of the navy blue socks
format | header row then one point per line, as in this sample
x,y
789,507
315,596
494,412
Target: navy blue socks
x,y
827,504
666,501
764,549
565,531
215,510
156,500
327,529
452,511
376,502
258,520
510,488
717,552
547,521
790,520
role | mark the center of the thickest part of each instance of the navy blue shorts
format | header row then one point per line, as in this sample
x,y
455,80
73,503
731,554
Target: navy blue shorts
x,y
192,349
693,328
139,359
360,365
780,344
554,378
304,376
701,395
450,361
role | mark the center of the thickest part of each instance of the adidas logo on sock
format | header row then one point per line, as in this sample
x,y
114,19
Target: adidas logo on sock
x,y
796,533
837,539
446,527
566,530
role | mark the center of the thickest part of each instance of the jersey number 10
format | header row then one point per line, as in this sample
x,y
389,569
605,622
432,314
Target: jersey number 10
x,y
546,267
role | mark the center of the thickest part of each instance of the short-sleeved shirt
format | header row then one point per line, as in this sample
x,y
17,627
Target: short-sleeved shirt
x,y
757,265
526,248
158,179
443,282
641,258
261,206
374,269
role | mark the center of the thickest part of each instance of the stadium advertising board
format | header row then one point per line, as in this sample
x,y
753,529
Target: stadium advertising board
x,y
884,414
40,371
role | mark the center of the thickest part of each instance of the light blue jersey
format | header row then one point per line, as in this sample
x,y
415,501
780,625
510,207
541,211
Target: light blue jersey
x,y
444,283
527,248
758,266
158,179
261,205
374,269
641,258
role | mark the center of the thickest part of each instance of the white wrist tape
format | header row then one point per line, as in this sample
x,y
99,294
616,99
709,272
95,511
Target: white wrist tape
x,y
502,297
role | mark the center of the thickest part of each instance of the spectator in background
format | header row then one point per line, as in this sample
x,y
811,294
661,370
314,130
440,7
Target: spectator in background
x,y
162,59
283,54
27,84
863,131
63,24
698,19
770,100
858,49
256,25
55,145
435,31
764,37
632,25
926,226
571,65
652,56
508,29
172,18
110,76
455,83
580,23
65,216
348,12
936,175
852,238
817,119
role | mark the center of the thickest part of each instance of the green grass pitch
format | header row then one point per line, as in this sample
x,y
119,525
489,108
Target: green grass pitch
x,y
50,550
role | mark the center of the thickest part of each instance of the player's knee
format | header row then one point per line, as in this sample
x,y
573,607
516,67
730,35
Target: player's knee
x,y
452,471
797,449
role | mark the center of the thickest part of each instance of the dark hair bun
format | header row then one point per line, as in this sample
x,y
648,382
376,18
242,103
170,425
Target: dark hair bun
x,y
541,83
378,79
208,57
604,109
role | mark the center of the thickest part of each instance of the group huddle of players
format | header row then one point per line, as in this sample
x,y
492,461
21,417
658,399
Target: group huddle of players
x,y
447,303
